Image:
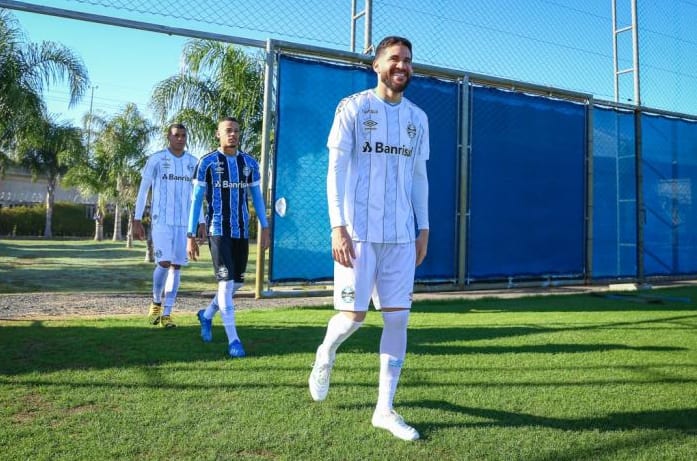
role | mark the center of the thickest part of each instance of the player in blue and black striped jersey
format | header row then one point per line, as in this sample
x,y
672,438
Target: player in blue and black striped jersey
x,y
228,178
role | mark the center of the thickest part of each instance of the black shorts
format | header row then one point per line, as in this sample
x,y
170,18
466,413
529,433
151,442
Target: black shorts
x,y
230,256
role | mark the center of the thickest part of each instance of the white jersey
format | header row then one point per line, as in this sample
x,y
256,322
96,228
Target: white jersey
x,y
170,178
384,141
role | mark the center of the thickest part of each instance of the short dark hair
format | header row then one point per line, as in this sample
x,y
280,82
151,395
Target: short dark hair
x,y
392,40
177,126
229,119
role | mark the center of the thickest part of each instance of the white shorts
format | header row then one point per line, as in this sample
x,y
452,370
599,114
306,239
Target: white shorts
x,y
169,244
383,272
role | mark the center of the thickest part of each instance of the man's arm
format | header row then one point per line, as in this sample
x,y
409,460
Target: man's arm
x,y
194,213
419,200
260,208
342,245
145,184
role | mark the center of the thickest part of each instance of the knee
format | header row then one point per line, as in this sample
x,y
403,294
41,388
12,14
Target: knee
x,y
165,264
357,317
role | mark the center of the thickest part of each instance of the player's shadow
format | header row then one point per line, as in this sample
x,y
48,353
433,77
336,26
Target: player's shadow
x,y
48,347
682,419
597,302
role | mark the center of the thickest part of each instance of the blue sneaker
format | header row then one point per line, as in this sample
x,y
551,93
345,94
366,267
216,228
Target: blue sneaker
x,y
236,350
206,327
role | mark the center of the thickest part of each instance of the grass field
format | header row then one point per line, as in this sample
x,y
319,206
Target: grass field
x,y
65,266
573,377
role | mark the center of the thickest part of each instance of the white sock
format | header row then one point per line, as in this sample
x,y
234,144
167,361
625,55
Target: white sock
x,y
393,348
339,328
171,288
159,276
212,308
227,309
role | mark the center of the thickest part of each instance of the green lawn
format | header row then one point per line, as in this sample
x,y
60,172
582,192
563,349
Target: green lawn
x,y
66,266
574,377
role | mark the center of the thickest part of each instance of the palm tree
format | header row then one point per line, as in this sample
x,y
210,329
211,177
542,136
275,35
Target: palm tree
x,y
217,80
122,141
45,149
26,68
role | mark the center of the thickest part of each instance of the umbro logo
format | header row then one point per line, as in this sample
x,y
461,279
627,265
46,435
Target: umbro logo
x,y
370,125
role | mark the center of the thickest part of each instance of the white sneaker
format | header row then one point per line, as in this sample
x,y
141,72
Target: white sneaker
x,y
395,424
319,378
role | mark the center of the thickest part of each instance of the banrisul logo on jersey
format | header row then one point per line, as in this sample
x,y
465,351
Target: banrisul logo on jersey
x,y
174,177
382,148
225,184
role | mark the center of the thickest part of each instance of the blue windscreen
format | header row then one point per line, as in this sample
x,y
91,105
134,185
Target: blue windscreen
x,y
614,194
669,171
527,186
308,93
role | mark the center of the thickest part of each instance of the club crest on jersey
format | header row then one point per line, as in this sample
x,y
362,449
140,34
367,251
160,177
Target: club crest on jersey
x,y
411,130
219,168
246,171
348,294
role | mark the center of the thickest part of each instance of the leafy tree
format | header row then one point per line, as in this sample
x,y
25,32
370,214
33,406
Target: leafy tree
x,y
26,69
121,142
216,81
46,148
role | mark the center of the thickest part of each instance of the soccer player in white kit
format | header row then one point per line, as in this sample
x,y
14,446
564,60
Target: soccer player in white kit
x,y
377,190
168,173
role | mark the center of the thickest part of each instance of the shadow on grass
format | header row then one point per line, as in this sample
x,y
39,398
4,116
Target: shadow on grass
x,y
41,348
673,299
64,249
683,419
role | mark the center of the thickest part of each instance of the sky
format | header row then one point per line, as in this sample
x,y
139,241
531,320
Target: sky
x,y
123,64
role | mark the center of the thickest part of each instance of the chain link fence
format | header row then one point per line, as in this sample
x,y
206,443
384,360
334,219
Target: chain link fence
x,y
565,44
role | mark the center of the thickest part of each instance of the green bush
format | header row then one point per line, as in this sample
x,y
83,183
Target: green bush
x,y
22,220
69,220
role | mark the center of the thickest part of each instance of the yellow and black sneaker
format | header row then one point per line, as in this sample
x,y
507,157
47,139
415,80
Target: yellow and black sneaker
x,y
154,314
166,322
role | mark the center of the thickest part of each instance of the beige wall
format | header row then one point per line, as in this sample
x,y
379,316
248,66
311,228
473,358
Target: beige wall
x,y
17,188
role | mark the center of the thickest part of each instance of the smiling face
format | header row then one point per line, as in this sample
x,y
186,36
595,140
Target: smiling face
x,y
393,66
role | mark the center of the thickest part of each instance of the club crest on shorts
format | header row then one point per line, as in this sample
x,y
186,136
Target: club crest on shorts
x,y
348,294
222,272
158,254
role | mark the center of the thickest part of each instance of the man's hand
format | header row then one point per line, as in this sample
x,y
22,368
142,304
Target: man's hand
x,y
138,231
342,247
202,233
421,246
265,238
192,248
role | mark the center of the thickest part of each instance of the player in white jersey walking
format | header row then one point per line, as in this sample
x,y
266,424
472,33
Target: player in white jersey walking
x,y
377,189
168,174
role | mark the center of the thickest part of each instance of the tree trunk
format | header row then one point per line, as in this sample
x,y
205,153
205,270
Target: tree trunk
x,y
98,221
50,199
98,228
118,236
129,232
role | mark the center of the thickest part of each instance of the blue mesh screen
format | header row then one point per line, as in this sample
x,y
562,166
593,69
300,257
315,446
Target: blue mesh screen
x,y
527,186
669,170
614,194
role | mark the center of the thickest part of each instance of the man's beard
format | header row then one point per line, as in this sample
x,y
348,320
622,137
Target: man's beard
x,y
396,87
